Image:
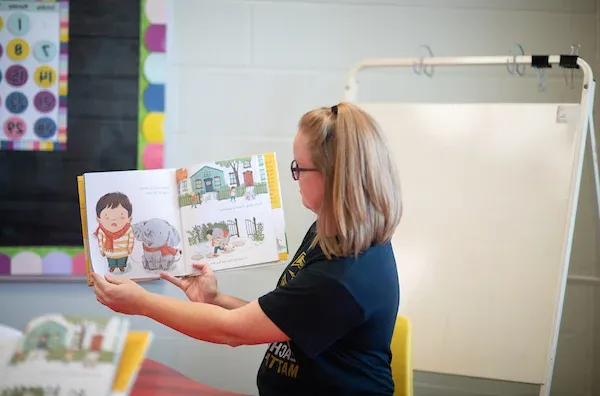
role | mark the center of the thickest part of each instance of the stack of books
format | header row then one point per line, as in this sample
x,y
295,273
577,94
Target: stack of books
x,y
61,355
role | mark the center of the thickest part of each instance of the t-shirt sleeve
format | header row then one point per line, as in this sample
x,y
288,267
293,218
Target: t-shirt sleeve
x,y
312,309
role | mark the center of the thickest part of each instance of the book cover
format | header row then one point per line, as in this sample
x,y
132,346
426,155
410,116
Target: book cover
x,y
134,353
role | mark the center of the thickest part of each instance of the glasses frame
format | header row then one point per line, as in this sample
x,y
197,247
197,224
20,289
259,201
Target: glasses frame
x,y
296,170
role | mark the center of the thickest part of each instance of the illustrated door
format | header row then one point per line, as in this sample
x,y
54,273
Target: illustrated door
x,y
208,185
96,343
248,178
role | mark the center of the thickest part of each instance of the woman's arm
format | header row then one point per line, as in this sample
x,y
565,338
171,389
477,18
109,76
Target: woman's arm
x,y
246,325
228,302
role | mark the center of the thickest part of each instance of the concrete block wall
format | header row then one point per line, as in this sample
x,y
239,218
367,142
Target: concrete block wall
x,y
244,71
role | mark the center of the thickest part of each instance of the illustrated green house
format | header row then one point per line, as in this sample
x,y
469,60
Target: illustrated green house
x,y
52,333
207,179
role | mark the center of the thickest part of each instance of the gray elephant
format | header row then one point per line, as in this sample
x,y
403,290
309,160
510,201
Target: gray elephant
x,y
159,240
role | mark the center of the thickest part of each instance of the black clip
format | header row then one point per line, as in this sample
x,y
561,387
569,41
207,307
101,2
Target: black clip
x,y
540,62
569,61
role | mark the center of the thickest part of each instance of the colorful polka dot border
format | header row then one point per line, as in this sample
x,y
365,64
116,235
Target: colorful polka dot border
x,y
153,33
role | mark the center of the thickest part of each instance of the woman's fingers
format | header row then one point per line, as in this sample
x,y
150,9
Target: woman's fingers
x,y
199,266
168,277
203,267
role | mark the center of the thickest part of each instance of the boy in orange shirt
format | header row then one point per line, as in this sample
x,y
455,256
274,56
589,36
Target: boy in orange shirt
x,y
114,232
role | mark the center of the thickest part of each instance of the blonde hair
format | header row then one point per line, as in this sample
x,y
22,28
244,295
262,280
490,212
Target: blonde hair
x,y
362,203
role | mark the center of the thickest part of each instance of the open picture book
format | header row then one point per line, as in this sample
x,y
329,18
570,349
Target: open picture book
x,y
226,213
62,355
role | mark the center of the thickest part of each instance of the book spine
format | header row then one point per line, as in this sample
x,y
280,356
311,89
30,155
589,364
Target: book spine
x,y
84,227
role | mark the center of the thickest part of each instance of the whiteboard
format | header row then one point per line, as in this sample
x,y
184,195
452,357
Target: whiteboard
x,y
486,190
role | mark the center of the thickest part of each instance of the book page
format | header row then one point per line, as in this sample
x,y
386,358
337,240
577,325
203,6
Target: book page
x,y
133,223
62,355
226,213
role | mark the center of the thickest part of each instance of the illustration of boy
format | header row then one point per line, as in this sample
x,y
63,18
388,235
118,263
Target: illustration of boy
x,y
216,240
233,194
114,232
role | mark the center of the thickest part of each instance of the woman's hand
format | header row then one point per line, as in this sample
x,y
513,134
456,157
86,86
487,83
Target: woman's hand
x,y
120,294
200,288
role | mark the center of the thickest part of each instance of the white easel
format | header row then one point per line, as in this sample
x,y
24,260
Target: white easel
x,y
586,125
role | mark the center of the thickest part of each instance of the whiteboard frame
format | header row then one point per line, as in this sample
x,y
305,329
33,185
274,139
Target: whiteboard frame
x,y
586,125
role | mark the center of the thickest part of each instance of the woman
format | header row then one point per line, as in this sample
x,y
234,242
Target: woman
x,y
329,321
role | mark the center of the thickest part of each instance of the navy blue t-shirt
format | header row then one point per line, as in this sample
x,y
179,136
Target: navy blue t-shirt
x,y
340,316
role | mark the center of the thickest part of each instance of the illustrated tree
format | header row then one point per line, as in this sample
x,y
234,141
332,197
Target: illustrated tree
x,y
196,235
181,174
81,337
234,164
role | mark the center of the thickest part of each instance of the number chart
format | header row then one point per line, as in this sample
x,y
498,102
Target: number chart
x,y
33,74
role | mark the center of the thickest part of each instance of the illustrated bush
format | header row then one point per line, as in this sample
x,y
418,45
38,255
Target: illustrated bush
x,y
198,233
259,235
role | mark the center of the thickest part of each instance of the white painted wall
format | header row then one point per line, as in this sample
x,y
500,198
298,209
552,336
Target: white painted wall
x,y
242,73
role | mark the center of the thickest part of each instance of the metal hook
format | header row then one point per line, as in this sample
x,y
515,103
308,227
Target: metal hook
x,y
513,67
420,67
574,51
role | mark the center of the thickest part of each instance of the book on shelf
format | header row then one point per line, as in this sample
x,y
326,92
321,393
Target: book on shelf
x,y
62,355
226,213
137,345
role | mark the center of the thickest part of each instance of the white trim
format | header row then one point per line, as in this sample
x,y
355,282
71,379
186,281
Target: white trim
x,y
352,83
585,123
586,119
595,280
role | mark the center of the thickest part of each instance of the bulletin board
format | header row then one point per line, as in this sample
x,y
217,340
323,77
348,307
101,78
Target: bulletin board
x,y
115,121
33,75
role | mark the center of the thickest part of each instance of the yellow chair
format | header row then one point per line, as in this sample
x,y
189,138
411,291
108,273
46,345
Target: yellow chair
x,y
402,369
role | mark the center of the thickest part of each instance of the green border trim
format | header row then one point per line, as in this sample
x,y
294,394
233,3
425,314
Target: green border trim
x,y
72,251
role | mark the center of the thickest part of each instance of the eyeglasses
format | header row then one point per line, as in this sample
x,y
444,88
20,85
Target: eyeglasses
x,y
296,170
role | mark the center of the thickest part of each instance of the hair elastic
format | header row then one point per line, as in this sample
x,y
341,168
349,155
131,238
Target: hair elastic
x,y
334,110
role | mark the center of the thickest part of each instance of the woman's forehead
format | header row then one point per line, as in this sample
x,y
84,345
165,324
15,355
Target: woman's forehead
x,y
301,152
